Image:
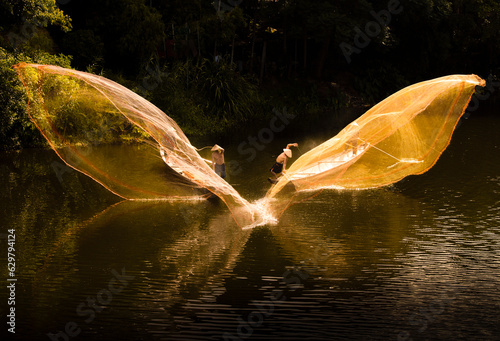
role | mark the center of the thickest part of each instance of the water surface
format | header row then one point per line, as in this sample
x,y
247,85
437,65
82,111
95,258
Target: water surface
x,y
418,260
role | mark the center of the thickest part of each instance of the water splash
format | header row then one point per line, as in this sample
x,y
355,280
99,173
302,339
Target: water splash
x,y
264,213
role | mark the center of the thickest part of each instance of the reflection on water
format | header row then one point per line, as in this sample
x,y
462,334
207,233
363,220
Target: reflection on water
x,y
418,260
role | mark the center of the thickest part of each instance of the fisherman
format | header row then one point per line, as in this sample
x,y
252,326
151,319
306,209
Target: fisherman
x,y
218,164
280,165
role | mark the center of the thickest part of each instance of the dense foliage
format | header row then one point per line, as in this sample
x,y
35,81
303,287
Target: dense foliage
x,y
215,66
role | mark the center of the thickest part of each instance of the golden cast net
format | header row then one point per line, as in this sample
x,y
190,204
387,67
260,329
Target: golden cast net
x,y
403,135
87,119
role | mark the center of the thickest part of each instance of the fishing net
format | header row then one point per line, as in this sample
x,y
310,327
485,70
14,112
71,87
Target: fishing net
x,y
87,119
403,135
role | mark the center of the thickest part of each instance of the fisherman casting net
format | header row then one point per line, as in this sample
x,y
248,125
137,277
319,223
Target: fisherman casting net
x,y
82,115
403,135
85,119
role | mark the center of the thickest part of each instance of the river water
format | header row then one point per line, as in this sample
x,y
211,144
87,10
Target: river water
x,y
419,260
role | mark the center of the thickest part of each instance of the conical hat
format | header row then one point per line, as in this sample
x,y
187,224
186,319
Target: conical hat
x,y
216,148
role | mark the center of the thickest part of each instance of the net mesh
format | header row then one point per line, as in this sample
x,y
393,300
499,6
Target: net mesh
x,y
403,135
85,118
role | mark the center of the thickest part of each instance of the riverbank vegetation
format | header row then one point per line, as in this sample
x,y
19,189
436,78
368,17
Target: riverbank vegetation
x,y
224,67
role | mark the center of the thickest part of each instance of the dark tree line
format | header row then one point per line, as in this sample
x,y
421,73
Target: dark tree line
x,y
217,57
